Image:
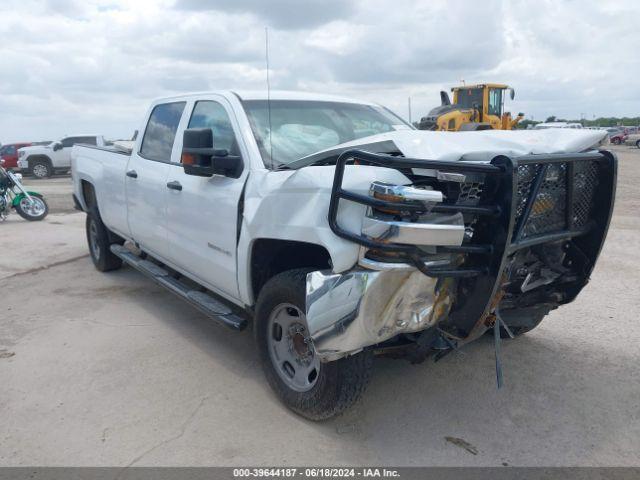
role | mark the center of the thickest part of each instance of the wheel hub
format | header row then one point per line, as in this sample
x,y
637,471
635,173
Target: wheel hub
x,y
299,344
291,348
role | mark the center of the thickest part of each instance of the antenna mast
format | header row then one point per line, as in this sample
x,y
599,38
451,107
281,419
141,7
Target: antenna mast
x,y
266,54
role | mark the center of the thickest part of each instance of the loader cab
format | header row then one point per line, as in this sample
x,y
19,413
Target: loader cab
x,y
474,107
487,101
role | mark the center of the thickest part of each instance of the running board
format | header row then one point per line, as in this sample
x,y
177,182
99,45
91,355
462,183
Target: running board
x,y
206,303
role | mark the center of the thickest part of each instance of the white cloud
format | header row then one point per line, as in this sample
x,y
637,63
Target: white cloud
x,y
93,65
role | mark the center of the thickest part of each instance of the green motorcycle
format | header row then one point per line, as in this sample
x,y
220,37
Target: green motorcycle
x,y
29,205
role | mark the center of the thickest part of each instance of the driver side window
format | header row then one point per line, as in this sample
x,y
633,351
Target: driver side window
x,y
68,142
210,114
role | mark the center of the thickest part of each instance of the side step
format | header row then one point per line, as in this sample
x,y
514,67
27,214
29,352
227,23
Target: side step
x,y
206,303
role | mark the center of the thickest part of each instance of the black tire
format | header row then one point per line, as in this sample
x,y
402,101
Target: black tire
x,y
40,168
616,141
99,247
638,144
25,212
338,385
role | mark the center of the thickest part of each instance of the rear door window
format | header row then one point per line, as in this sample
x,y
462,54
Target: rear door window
x,y
160,133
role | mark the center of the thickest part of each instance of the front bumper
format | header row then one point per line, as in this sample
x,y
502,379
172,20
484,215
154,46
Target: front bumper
x,y
350,311
529,208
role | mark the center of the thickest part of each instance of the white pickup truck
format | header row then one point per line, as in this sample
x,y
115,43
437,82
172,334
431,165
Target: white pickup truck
x,y
339,232
42,161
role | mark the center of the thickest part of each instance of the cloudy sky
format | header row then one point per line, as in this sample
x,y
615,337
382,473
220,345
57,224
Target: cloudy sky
x,y
93,65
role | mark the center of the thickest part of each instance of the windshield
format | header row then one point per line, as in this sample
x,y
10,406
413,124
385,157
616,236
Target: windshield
x,y
469,98
300,128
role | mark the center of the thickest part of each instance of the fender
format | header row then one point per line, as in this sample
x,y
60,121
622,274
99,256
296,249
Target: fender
x,y
20,196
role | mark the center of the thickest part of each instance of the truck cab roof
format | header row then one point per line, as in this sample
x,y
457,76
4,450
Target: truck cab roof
x,y
273,95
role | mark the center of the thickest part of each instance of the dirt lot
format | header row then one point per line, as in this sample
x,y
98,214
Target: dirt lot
x,y
107,369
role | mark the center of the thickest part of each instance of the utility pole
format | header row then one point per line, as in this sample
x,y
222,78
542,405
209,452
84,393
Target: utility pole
x,y
409,99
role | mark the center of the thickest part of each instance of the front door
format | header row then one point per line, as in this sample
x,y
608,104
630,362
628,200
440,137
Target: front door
x,y
202,217
146,179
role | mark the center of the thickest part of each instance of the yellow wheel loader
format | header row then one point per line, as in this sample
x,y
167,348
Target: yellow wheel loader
x,y
474,107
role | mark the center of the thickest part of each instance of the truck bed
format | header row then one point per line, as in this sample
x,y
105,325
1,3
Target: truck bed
x,y
102,169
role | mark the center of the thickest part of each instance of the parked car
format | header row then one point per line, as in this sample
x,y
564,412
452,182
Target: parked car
x,y
9,153
633,139
342,232
42,161
618,138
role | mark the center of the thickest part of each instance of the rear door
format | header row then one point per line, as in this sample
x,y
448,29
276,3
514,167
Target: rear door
x,y
146,178
202,217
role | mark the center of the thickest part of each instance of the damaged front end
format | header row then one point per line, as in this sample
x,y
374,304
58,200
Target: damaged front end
x,y
465,244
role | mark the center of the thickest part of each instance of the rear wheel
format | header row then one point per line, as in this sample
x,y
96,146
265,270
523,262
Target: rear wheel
x,y
309,387
99,240
34,209
616,141
638,144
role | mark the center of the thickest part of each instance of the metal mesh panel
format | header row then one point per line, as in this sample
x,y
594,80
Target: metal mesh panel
x,y
585,181
526,176
549,209
470,193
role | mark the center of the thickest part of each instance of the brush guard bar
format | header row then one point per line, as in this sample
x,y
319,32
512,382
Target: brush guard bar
x,y
411,253
505,218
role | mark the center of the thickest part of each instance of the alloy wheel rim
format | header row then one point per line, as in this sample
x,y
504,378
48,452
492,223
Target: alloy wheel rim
x,y
291,348
40,170
34,207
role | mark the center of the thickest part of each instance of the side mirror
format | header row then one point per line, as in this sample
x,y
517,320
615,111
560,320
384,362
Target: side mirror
x,y
512,93
200,158
57,146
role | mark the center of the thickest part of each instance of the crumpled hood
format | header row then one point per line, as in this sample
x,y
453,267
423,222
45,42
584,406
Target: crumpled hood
x,y
476,146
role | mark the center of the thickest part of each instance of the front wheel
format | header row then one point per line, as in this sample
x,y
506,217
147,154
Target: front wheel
x,y
34,209
41,169
307,386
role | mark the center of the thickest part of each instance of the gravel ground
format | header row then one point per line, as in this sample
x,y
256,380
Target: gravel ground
x,y
107,369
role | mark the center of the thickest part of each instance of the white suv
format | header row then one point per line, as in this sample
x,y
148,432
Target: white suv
x,y
44,160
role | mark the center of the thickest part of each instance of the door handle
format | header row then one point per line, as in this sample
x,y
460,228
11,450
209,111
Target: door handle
x,y
132,174
174,185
